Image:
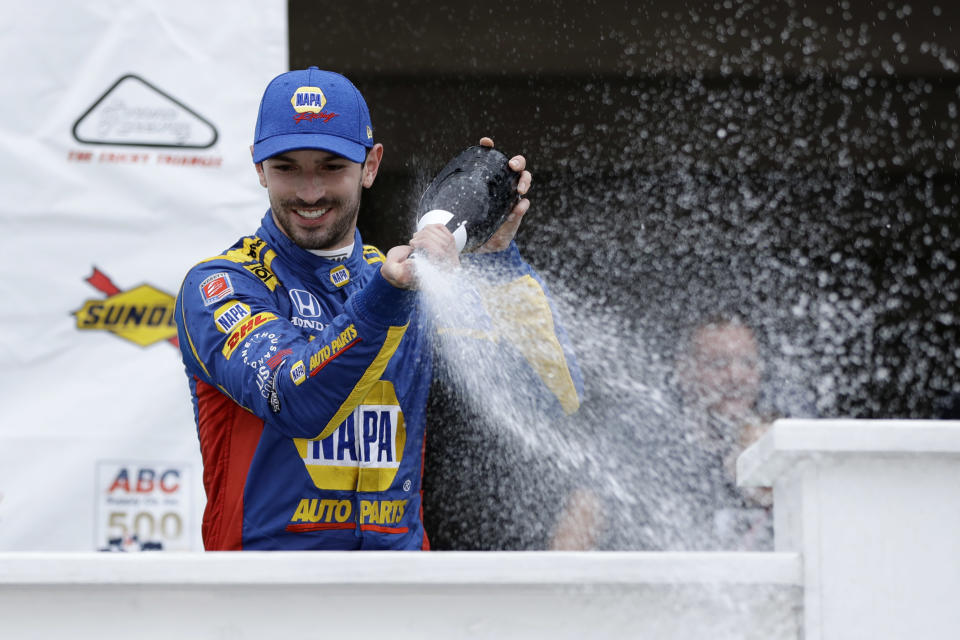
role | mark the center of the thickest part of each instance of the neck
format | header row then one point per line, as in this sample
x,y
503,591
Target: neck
x,y
340,253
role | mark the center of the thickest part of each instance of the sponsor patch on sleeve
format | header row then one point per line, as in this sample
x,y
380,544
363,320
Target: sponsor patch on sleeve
x,y
298,373
273,396
228,316
244,329
215,288
267,381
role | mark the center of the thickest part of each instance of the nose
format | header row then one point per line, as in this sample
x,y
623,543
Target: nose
x,y
747,368
311,188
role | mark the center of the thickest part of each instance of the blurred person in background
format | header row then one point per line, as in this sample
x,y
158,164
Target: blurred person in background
x,y
719,376
675,468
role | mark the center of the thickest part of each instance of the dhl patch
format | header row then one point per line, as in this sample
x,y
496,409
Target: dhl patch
x,y
244,329
143,315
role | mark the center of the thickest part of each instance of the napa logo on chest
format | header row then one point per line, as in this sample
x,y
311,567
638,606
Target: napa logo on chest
x,y
365,451
339,275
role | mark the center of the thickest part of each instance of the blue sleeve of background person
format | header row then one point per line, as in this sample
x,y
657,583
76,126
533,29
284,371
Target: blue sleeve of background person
x,y
308,386
508,267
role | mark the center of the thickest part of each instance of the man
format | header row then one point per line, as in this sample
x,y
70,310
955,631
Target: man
x,y
680,462
720,370
720,376
309,354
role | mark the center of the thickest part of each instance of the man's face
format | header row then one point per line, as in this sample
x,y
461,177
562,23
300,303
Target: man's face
x,y
315,196
723,369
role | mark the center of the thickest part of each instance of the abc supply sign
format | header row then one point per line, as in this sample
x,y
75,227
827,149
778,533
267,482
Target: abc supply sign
x,y
143,506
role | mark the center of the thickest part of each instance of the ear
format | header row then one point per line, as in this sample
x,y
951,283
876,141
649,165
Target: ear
x,y
259,167
371,165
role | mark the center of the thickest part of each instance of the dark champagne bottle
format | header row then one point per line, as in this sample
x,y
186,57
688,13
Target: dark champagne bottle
x,y
472,196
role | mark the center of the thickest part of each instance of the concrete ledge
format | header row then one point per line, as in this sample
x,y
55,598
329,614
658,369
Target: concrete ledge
x,y
871,507
789,442
668,596
441,568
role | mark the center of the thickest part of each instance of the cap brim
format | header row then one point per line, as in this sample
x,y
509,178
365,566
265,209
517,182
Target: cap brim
x,y
290,142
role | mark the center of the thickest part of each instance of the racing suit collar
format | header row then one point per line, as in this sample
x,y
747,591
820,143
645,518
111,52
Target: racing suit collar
x,y
308,263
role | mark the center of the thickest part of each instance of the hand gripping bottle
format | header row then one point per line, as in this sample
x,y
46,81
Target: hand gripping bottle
x,y
472,196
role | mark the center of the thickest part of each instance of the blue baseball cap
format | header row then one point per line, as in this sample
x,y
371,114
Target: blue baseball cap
x,y
312,109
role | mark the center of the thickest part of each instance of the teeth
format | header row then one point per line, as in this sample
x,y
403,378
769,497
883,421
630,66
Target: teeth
x,y
310,214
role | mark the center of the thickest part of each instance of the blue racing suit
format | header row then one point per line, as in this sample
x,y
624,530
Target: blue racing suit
x,y
310,379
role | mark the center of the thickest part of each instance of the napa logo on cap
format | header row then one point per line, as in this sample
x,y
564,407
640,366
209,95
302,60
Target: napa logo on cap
x,y
308,103
308,100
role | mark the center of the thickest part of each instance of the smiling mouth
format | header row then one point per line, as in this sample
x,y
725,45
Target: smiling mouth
x,y
311,214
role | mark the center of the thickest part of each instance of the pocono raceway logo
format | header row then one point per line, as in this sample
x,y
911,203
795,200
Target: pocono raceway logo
x,y
135,113
143,315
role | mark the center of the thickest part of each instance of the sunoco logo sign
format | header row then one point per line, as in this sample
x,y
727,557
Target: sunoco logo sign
x,y
143,315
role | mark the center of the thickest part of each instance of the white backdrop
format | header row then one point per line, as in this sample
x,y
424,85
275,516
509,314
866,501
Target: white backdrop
x,y
124,142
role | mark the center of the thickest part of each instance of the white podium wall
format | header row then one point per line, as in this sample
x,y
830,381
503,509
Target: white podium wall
x,y
557,595
873,508
867,515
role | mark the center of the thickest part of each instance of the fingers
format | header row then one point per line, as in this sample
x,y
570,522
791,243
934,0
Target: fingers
x,y
518,210
433,236
509,227
526,179
436,241
400,252
505,234
518,163
396,269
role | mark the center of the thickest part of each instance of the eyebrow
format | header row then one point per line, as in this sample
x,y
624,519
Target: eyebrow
x,y
282,158
330,157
